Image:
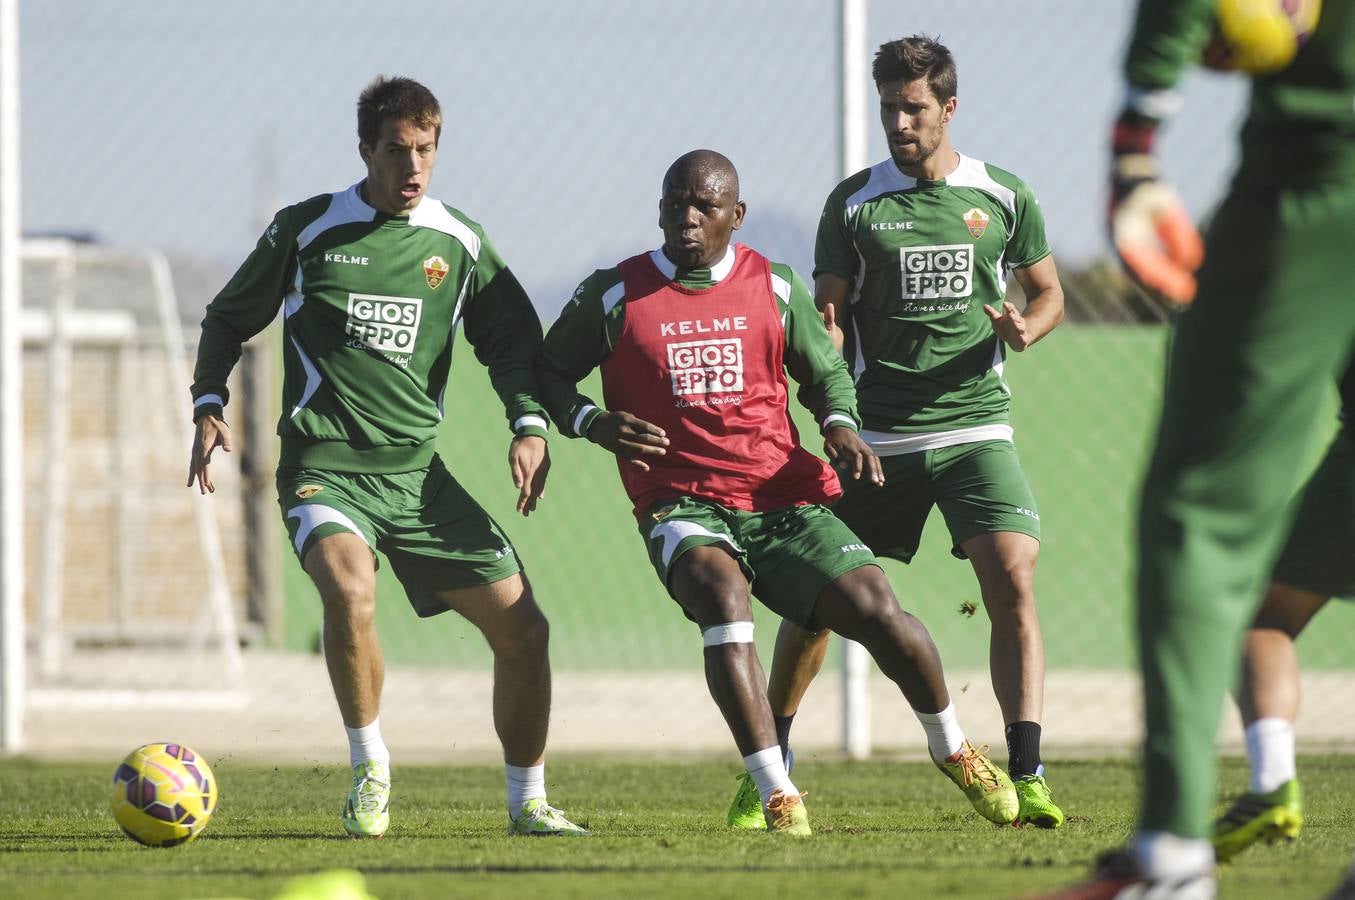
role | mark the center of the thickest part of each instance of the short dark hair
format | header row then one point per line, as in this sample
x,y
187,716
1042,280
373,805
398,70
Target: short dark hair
x,y
396,98
911,58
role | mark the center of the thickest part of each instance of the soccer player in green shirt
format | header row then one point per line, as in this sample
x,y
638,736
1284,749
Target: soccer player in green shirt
x,y
372,282
911,261
1252,362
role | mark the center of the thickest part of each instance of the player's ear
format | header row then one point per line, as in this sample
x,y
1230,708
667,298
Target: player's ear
x,y
365,152
740,209
948,109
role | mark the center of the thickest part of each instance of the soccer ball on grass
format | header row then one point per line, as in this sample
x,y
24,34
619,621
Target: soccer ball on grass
x,y
163,795
1259,36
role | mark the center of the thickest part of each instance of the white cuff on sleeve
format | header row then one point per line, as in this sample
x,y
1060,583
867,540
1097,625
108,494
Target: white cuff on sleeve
x,y
582,414
530,422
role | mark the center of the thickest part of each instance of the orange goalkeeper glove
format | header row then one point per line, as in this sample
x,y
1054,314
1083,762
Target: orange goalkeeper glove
x,y
1153,235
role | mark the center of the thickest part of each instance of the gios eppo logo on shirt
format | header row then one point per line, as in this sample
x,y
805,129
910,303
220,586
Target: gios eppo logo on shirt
x,y
934,273
706,367
388,325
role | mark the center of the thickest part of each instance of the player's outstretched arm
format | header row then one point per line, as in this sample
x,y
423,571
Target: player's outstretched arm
x,y
211,432
529,461
630,438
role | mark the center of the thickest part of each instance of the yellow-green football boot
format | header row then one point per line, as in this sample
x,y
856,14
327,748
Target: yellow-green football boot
x,y
1259,817
367,812
786,814
988,788
539,819
1036,804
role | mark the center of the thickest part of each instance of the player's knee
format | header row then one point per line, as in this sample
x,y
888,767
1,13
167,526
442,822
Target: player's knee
x,y
351,596
528,636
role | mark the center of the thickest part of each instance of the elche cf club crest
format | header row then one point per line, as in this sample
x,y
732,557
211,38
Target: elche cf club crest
x,y
976,220
435,269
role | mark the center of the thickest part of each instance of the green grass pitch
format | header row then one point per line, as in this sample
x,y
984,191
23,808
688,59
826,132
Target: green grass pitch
x,y
884,829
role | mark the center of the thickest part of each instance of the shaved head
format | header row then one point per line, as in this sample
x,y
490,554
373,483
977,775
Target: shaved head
x,y
700,208
705,168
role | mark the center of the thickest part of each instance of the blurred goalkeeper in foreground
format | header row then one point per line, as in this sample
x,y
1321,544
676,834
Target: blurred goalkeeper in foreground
x,y
372,281
1253,359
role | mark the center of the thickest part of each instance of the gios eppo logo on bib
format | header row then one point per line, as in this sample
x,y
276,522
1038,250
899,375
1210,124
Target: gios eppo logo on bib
x,y
706,367
935,273
388,325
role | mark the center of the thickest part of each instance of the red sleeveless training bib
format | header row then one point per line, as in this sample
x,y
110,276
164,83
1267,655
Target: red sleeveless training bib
x,y
705,365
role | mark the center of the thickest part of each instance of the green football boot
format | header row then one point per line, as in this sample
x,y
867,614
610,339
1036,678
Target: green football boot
x,y
367,812
745,812
1036,804
786,814
539,819
1259,817
987,787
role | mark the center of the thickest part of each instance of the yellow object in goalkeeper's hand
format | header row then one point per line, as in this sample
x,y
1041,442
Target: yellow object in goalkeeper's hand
x,y
1259,36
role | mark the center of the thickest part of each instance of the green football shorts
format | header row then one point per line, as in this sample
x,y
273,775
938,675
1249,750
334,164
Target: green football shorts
x,y
979,488
435,535
789,555
1320,553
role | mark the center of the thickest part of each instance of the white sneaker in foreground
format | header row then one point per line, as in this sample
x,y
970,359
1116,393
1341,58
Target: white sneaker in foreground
x,y
367,812
540,819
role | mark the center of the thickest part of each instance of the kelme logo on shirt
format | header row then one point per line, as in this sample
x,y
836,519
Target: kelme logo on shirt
x,y
706,367
435,269
934,273
388,325
976,220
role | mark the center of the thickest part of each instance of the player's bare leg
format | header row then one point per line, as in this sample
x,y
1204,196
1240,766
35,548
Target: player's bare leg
x,y
519,637
861,606
797,659
344,572
1004,563
1268,697
518,634
1270,667
712,588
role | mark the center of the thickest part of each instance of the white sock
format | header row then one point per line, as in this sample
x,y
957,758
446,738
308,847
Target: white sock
x,y
1270,747
944,734
1160,854
365,744
524,783
768,770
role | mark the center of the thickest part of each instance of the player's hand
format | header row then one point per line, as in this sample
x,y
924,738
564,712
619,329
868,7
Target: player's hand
x,y
830,323
1153,235
1010,326
529,463
630,438
211,433
850,455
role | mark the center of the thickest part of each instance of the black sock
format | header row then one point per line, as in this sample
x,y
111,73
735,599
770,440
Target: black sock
x,y
783,732
1023,748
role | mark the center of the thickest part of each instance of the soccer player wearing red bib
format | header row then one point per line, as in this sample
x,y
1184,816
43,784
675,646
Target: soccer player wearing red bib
x,y
694,341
